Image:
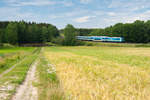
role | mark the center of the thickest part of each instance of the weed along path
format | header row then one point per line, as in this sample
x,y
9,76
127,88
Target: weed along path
x,y
27,91
11,68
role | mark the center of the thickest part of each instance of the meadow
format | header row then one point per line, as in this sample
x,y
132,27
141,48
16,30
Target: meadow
x,y
10,56
106,72
101,73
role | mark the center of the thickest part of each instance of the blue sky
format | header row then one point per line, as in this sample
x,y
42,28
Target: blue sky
x,y
80,13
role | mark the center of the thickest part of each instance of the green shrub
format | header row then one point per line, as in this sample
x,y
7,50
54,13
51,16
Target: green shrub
x,y
2,63
58,41
7,45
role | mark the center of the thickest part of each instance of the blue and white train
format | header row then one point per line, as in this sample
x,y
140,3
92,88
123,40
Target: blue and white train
x,y
100,38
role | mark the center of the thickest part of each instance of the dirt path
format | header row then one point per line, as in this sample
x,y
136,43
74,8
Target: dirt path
x,y
27,91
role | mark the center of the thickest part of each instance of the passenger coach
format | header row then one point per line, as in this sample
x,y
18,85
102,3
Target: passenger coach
x,y
100,38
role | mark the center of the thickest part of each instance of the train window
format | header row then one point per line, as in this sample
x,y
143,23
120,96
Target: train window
x,y
116,38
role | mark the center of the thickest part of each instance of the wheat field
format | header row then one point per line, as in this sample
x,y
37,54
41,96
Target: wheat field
x,y
102,73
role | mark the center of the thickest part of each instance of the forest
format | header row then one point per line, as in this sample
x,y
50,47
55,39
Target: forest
x,y
21,32
136,32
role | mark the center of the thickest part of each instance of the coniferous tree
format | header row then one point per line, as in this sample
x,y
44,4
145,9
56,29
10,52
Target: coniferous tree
x,y
0,36
12,33
21,32
44,34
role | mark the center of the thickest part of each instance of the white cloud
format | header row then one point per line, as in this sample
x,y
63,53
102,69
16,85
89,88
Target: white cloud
x,y
41,3
38,3
85,1
126,18
11,1
7,12
111,13
67,4
30,3
130,5
83,19
15,14
140,16
34,3
115,4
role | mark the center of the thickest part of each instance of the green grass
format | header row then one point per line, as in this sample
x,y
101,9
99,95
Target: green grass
x,y
15,49
49,87
17,75
11,56
102,73
107,44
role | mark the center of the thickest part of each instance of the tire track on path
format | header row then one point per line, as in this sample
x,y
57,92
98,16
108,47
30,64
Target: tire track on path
x,y
27,91
11,68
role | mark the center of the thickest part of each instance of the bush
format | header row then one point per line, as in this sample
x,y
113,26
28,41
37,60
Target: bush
x,y
51,44
2,63
7,45
58,41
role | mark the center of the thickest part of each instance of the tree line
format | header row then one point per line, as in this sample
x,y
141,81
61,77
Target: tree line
x,y
136,32
27,32
30,32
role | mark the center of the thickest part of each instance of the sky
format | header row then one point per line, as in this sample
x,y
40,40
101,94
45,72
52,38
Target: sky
x,y
80,13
